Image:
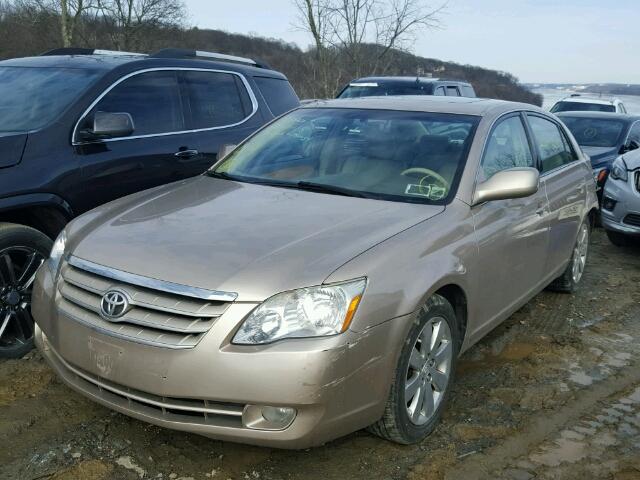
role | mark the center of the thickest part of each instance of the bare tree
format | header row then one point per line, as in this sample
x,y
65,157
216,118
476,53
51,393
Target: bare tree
x,y
131,18
69,11
365,31
315,18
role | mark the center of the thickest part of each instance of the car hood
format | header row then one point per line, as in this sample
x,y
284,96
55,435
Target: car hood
x,y
237,237
601,156
632,159
11,148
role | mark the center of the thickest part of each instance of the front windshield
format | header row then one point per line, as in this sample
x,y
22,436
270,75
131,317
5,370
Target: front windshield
x,y
582,107
374,89
30,98
382,154
595,132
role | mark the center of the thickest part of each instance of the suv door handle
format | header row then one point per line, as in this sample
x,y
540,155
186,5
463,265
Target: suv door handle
x,y
187,153
541,209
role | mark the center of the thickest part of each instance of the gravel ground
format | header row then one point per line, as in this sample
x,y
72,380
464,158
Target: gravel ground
x,y
553,393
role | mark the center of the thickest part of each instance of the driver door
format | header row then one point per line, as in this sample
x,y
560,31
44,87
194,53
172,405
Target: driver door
x,y
512,234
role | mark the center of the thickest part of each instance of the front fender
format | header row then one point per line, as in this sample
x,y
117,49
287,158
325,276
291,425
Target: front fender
x,y
36,200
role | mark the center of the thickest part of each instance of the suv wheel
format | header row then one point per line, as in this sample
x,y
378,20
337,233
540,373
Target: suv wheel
x,y
569,280
618,239
22,251
423,376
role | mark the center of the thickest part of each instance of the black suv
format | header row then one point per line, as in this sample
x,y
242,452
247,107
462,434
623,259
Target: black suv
x,y
80,127
380,86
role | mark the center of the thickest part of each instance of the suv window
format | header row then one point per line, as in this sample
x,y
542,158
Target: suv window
x,y
215,99
452,91
507,147
468,91
278,93
440,91
553,148
152,99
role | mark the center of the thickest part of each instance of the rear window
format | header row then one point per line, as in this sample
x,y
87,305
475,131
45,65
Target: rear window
x,y
215,99
467,91
278,94
595,132
582,107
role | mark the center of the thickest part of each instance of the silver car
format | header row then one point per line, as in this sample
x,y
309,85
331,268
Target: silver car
x,y
621,201
322,277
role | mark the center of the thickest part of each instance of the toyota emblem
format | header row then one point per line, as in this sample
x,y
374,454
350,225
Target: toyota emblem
x,y
114,304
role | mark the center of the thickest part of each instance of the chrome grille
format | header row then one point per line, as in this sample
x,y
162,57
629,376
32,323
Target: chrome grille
x,y
156,317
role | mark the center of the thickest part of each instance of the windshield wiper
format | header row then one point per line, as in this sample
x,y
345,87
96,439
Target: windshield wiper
x,y
215,174
332,189
301,185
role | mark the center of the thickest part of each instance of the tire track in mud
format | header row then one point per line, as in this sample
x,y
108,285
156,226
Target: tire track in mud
x,y
542,426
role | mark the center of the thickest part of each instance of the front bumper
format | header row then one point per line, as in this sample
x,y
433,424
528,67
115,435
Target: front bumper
x,y
336,384
627,205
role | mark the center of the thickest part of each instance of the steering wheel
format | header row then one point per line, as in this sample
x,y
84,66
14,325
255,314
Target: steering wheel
x,y
426,174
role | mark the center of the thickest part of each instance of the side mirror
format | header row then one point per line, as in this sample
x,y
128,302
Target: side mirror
x,y
112,124
511,183
225,150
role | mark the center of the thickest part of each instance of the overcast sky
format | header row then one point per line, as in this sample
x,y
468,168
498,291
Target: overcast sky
x,y
537,40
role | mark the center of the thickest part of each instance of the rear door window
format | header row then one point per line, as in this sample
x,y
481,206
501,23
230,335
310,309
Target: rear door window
x,y
508,147
278,94
215,99
151,98
553,148
440,91
468,91
452,91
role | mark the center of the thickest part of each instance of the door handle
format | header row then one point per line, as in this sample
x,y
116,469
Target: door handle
x,y
187,153
540,211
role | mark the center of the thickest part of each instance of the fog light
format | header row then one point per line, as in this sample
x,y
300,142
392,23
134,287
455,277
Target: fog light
x,y
264,417
609,203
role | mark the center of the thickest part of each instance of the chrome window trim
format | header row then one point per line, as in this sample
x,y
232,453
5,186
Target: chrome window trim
x,y
152,283
254,105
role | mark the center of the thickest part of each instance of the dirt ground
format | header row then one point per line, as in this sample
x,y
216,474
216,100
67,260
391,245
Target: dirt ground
x,y
553,393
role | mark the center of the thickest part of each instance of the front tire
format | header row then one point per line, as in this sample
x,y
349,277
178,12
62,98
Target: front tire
x,y
569,280
22,251
423,375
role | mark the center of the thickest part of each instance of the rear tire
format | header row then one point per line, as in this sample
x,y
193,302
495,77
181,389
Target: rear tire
x,y
570,278
425,367
22,251
618,239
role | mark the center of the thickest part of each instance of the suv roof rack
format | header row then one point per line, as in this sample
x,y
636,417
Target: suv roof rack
x,y
199,54
87,51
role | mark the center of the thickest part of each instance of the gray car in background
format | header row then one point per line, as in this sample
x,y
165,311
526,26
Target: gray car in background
x,y
322,277
620,211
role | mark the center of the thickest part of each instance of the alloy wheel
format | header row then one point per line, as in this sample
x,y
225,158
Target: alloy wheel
x,y
428,371
18,266
580,253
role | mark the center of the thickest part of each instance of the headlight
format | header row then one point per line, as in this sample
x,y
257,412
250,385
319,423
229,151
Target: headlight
x,y
600,175
619,170
307,312
56,253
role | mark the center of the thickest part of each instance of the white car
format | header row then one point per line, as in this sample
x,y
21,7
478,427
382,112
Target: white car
x,y
578,103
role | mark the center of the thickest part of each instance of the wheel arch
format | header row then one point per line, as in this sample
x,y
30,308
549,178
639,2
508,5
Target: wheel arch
x,y
47,213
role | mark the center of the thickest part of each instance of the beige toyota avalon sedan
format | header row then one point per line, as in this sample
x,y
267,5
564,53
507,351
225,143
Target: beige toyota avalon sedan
x,y
322,277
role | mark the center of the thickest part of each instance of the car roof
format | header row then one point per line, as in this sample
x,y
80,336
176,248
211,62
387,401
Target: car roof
x,y
108,62
596,100
428,103
414,79
603,115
